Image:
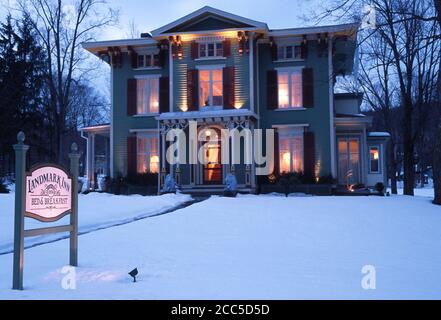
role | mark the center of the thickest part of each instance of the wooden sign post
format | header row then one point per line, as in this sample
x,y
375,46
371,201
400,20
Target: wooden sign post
x,y
47,193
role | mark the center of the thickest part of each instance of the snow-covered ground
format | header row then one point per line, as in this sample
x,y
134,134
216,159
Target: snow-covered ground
x,y
251,247
96,211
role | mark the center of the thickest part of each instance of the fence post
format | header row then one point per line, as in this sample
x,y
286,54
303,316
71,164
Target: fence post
x,y
20,188
74,157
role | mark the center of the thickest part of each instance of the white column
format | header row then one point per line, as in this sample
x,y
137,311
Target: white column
x,y
251,42
331,110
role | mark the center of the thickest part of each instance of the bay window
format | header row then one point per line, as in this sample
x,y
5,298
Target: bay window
x,y
147,154
147,96
290,88
291,150
211,88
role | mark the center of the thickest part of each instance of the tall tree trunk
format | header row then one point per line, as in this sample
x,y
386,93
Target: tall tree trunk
x,y
393,168
409,166
437,151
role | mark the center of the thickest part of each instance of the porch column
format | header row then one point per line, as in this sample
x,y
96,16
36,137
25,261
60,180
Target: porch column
x,y
163,155
233,153
248,166
253,166
91,161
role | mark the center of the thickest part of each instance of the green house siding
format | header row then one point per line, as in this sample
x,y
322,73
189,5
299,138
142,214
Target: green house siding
x,y
180,68
318,117
122,123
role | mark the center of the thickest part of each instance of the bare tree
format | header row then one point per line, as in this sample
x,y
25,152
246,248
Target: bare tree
x,y
62,26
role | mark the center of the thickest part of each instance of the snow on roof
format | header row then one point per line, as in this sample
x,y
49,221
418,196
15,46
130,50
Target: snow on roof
x,y
379,134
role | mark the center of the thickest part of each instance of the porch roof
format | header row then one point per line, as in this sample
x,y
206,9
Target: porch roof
x,y
215,114
101,129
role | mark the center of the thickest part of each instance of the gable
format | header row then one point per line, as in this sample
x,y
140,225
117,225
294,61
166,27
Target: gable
x,y
208,23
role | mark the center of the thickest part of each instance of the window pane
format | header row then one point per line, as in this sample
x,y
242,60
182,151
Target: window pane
x,y
375,159
285,156
204,80
289,52
296,89
154,96
154,156
280,52
217,93
142,155
283,90
298,52
217,75
141,96
219,49
140,61
211,49
297,154
202,50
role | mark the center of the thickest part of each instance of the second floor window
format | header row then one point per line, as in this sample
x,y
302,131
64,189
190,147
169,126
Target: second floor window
x,y
147,96
289,52
211,88
290,89
211,49
147,154
148,60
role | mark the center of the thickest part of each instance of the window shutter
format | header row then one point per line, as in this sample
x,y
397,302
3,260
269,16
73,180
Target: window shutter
x,y
162,58
134,59
308,88
131,97
164,94
276,154
304,50
192,90
131,155
309,155
227,48
194,50
273,92
228,87
274,51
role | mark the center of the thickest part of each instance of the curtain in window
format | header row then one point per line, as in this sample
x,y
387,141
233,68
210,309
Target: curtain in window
x,y
141,96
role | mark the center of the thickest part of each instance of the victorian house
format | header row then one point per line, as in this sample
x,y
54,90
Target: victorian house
x,y
222,70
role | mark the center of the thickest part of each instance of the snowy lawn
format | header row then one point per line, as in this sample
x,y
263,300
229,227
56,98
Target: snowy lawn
x,y
96,211
252,247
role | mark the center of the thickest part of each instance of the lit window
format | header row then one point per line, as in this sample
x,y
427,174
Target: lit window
x,y
290,89
148,96
374,154
148,154
211,88
291,150
211,50
289,52
148,60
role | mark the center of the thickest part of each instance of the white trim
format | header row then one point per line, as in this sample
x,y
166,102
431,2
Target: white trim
x,y
289,60
288,69
147,68
171,77
211,10
96,128
291,109
90,46
147,76
206,114
145,115
348,28
211,66
210,58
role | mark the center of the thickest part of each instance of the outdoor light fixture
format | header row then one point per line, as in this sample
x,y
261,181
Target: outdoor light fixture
x,y
133,274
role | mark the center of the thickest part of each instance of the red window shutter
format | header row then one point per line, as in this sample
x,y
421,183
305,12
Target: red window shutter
x,y
227,48
309,155
194,50
131,97
192,90
274,51
164,94
131,155
276,154
229,87
308,88
273,90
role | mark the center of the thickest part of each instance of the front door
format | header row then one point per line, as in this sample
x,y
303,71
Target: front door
x,y
349,161
212,169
